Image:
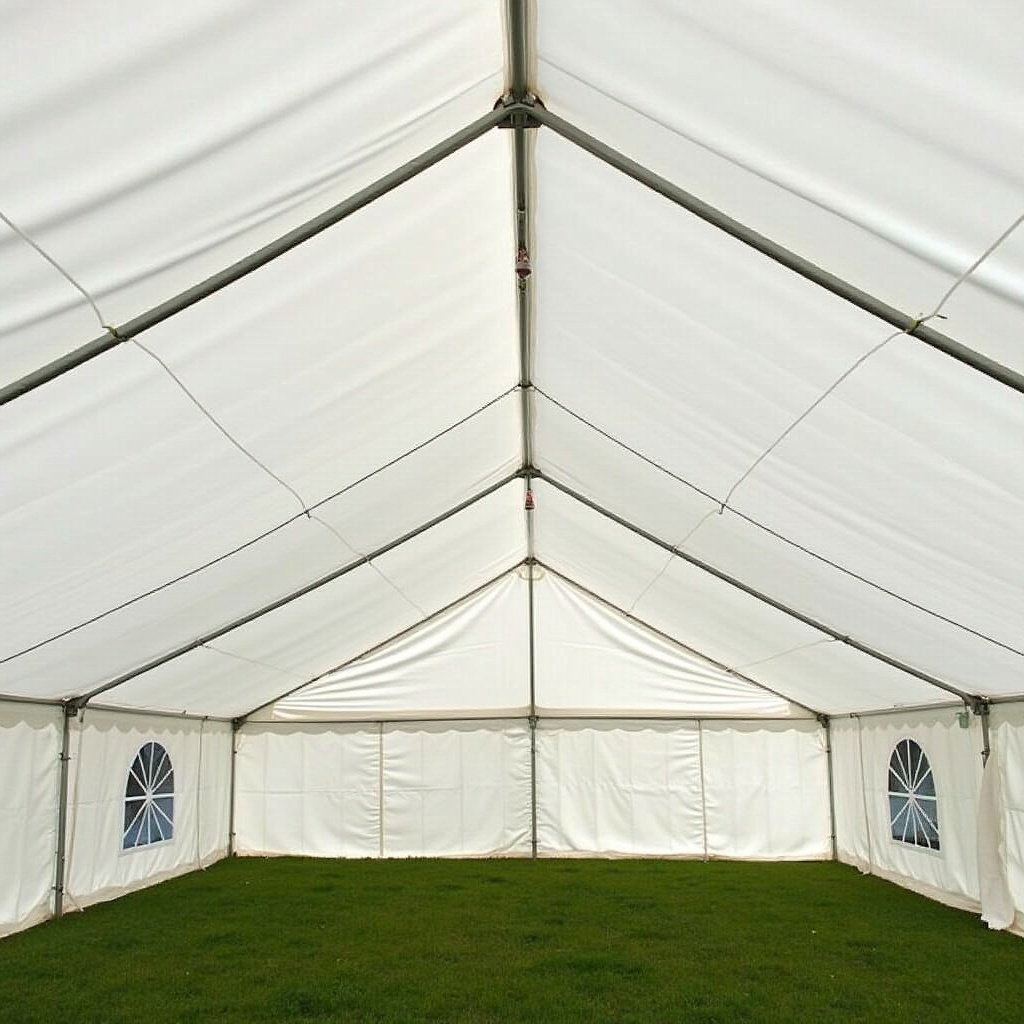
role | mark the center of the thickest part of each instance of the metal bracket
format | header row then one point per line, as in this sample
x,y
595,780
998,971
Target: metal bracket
x,y
519,114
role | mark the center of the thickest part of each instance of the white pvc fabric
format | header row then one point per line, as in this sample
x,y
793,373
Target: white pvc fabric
x,y
476,559
103,747
394,790
613,788
756,791
29,752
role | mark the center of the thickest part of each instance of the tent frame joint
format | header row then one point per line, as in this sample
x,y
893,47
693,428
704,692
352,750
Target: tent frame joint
x,y
520,112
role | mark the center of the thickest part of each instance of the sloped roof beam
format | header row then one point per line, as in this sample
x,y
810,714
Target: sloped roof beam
x,y
380,645
677,643
972,700
912,326
117,335
84,699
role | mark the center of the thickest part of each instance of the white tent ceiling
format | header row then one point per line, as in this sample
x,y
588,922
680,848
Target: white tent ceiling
x,y
317,457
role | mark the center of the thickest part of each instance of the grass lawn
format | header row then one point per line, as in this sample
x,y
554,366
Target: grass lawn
x,y
553,940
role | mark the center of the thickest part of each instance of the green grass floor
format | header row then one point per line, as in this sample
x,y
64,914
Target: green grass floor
x,y
553,940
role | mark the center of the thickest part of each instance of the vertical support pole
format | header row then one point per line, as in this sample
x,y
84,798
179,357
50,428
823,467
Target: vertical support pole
x,y
864,796
982,709
236,724
518,32
70,712
380,789
826,723
199,792
531,568
703,789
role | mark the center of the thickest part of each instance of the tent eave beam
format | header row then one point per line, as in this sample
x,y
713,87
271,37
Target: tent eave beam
x,y
968,698
240,720
812,712
84,699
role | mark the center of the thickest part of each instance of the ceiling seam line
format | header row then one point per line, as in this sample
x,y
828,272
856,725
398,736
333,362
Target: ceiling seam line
x,y
269,472
262,536
903,322
258,663
83,699
428,617
59,267
255,260
220,426
771,532
362,554
682,645
969,698
936,312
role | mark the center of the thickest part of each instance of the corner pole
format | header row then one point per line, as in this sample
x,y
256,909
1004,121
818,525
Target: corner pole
x,y
70,712
826,723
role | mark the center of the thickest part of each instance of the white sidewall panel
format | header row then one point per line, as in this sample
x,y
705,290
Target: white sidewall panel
x,y
103,746
861,765
30,769
309,790
454,789
767,790
619,787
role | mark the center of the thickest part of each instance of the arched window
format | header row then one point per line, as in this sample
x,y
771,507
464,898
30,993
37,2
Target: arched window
x,y
913,805
149,798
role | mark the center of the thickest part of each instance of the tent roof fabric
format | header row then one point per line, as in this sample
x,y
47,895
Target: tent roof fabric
x,y
272,390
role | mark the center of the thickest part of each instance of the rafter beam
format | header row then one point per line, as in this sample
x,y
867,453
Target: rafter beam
x,y
260,258
593,595
807,620
912,326
83,700
380,645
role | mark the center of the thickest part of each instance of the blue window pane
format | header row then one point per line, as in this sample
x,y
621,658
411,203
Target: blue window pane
x,y
149,798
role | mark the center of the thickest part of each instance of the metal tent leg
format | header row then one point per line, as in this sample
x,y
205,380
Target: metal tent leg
x,y
70,712
826,724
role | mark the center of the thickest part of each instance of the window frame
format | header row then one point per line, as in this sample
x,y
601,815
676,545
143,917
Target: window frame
x,y
910,844
129,774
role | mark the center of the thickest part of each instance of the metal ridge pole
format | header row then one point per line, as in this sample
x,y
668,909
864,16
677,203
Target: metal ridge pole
x,y
912,326
807,620
83,700
260,258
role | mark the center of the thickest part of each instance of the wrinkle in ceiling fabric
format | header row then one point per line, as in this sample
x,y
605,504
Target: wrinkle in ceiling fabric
x,y
325,402
721,100
223,156
693,349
